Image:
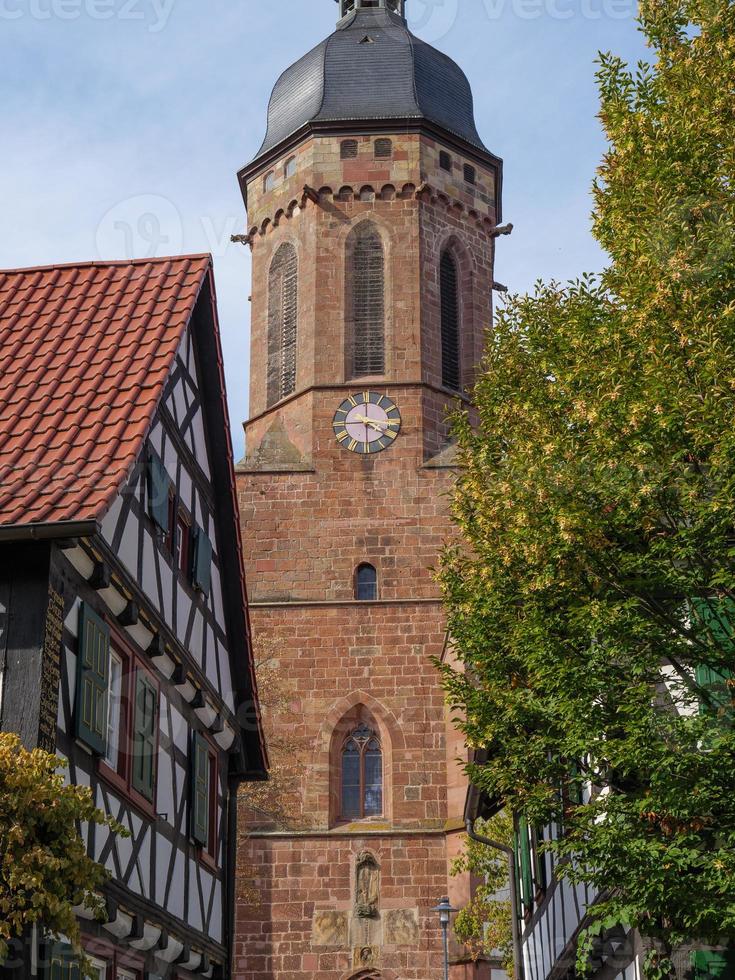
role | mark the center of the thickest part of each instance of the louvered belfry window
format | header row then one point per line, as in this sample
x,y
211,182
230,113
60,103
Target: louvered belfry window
x,y
368,303
282,323
450,323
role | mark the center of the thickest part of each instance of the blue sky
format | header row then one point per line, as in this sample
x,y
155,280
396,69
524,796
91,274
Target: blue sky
x,y
124,123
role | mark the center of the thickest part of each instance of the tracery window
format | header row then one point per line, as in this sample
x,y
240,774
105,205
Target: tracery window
x,y
366,322
362,775
449,282
282,323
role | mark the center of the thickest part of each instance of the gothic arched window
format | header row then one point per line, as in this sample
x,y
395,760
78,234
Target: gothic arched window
x,y
366,343
449,284
362,775
282,323
366,583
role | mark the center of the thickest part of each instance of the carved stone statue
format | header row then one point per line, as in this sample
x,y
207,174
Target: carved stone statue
x,y
367,891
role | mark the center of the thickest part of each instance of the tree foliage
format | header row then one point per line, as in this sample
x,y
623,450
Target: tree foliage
x,y
278,802
485,924
45,870
597,504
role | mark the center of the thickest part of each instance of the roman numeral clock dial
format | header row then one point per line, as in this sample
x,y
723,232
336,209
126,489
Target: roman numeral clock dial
x,y
367,423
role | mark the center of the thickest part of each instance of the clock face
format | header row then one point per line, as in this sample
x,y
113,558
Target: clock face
x,y
367,423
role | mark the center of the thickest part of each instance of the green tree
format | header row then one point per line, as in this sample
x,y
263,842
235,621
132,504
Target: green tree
x,y
592,596
485,924
45,870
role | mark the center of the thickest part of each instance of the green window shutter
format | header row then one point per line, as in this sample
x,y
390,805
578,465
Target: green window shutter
x,y
159,489
714,964
524,863
201,575
144,736
93,678
717,617
200,789
539,860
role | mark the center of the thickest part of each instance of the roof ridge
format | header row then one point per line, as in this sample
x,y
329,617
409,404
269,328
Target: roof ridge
x,y
107,263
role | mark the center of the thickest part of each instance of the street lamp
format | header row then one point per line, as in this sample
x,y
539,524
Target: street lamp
x,y
445,909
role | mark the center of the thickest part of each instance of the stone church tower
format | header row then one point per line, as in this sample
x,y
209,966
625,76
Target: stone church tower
x,y
373,211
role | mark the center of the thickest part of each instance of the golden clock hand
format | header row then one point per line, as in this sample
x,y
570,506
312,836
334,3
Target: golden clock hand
x,y
373,423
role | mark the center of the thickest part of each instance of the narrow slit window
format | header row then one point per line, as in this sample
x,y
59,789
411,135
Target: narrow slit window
x,y
469,174
450,323
269,181
282,324
367,343
290,168
445,161
366,583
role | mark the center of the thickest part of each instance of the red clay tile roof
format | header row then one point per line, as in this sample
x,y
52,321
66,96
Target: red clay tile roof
x,y
85,351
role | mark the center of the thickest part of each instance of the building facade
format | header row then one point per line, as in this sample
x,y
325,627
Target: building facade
x,y
373,213
124,637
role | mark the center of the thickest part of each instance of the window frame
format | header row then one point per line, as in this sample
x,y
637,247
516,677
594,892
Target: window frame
x,y
343,149
364,244
384,143
451,305
208,854
470,174
282,327
362,567
269,181
445,156
121,778
113,958
290,168
350,737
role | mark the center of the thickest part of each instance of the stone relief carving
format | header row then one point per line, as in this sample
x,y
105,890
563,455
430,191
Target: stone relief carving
x,y
367,887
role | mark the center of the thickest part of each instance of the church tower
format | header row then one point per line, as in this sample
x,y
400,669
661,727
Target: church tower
x,y
373,212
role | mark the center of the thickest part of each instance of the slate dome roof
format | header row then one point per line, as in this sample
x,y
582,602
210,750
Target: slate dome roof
x,y
372,67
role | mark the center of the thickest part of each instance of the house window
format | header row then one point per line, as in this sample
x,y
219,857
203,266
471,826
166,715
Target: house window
x,y
116,709
182,543
282,323
450,322
62,963
366,342
445,161
366,583
383,149
469,174
362,775
204,793
269,181
115,712
348,149
290,167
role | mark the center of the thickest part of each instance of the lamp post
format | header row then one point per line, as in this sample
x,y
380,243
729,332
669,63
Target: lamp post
x,y
445,909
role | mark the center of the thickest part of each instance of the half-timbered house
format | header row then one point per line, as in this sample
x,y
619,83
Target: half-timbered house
x,y
550,912
124,636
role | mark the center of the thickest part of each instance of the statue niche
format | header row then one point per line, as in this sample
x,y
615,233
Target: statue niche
x,y
367,887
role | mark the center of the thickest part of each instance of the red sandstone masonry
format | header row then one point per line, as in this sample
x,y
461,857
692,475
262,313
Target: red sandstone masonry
x,y
305,532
